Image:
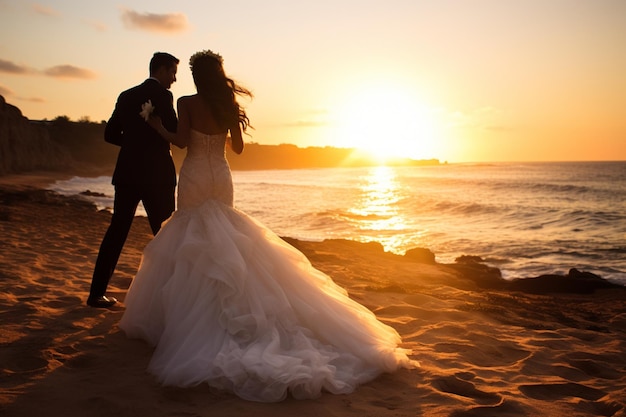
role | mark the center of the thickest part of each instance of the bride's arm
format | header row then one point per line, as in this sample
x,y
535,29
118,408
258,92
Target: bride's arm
x,y
181,137
236,140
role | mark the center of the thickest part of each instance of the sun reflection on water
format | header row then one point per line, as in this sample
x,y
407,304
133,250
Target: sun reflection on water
x,y
378,209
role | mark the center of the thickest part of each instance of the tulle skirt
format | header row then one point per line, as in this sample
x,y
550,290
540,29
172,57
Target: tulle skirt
x,y
226,301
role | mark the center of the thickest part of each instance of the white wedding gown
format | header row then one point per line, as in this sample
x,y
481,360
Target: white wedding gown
x,y
226,301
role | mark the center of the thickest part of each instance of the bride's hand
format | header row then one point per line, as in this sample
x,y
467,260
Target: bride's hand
x,y
156,123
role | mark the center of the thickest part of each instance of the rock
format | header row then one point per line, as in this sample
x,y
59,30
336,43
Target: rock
x,y
469,259
90,193
373,246
472,268
576,282
421,255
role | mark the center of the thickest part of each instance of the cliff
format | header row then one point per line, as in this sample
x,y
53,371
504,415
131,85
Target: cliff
x,y
84,141
27,146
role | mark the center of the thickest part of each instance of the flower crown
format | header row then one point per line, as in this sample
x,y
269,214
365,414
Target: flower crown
x,y
206,52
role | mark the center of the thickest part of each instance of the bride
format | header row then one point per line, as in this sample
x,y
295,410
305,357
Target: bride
x,y
226,301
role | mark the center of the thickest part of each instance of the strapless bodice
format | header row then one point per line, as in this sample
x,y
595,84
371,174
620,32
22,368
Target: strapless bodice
x,y
205,174
205,144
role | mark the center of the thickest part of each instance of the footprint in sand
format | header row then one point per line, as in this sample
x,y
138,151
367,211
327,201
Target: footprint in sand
x,y
64,302
596,368
390,403
485,352
81,361
454,385
26,362
505,408
549,392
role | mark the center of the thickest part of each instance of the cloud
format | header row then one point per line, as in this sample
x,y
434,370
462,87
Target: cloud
x,y
69,71
501,128
59,71
5,91
45,10
162,23
12,68
97,25
487,118
33,99
306,123
313,118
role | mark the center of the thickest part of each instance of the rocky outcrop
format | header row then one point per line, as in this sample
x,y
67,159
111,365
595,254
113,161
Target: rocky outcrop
x,y
576,282
421,255
57,145
474,268
25,145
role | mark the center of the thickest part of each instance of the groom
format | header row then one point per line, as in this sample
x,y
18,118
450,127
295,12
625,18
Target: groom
x,y
144,170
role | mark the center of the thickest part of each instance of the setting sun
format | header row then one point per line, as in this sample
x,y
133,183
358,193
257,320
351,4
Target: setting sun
x,y
387,122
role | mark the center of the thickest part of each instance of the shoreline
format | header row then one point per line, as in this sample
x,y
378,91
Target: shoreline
x,y
483,350
34,179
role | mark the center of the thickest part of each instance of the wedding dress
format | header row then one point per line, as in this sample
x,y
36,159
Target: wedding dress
x,y
226,301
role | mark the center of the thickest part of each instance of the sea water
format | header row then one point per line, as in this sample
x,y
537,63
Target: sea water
x,y
527,219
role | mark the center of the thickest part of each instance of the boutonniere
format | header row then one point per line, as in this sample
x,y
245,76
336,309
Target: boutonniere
x,y
146,110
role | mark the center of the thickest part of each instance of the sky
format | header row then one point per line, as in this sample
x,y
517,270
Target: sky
x,y
456,80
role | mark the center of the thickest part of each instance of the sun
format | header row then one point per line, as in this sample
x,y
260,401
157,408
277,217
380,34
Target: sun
x,y
387,122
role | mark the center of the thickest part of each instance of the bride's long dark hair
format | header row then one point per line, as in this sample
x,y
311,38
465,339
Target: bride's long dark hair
x,y
219,91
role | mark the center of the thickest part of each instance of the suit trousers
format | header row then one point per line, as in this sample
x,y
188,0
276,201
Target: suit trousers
x,y
159,203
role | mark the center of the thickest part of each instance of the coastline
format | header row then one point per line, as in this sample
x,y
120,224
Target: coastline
x,y
33,179
484,350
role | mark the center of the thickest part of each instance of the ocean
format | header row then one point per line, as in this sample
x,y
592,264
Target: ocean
x,y
526,219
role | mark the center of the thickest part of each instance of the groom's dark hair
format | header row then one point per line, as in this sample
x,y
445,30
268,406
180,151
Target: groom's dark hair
x,y
162,59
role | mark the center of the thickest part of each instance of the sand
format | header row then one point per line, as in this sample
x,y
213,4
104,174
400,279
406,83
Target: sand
x,y
482,352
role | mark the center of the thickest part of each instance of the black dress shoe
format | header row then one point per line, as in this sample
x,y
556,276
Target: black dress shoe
x,y
101,302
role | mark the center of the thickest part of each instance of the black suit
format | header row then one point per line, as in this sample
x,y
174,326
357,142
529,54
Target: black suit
x,y
144,172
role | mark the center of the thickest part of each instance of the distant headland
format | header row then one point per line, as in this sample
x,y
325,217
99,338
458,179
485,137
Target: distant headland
x,y
78,146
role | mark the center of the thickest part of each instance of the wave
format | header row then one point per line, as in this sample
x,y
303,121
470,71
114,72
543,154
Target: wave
x,y
466,208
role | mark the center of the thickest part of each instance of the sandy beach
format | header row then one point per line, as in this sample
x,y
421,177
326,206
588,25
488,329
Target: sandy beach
x,y
483,351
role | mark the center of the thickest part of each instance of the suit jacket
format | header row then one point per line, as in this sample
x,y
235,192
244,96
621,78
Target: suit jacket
x,y
144,157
